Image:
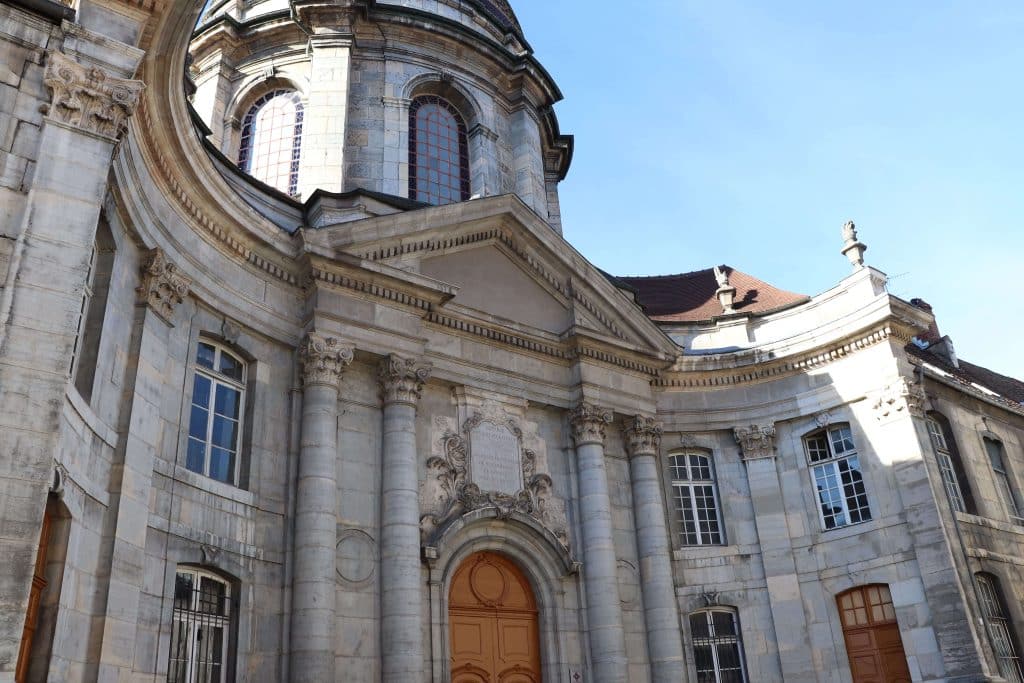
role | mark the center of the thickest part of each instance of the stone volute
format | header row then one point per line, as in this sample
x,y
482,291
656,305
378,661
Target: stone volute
x,y
588,424
323,360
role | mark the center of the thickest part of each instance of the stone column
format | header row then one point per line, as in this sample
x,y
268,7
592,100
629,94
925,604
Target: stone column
x,y
600,566
757,443
401,585
323,360
661,612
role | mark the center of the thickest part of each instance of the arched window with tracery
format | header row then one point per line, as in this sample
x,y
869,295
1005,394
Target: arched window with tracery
x,y
438,152
272,140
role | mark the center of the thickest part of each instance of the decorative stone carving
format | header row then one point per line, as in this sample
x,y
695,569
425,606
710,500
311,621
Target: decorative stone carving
x,y
497,461
163,287
88,98
853,248
643,436
60,476
726,293
711,598
455,484
755,441
323,360
402,379
823,419
230,331
902,397
588,423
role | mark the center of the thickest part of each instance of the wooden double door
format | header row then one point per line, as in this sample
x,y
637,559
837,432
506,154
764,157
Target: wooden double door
x,y
872,636
492,615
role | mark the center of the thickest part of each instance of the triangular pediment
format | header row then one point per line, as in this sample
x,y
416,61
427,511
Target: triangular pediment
x,y
507,264
491,282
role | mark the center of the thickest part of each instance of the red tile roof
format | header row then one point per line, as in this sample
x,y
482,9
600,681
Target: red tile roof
x,y
1010,389
690,297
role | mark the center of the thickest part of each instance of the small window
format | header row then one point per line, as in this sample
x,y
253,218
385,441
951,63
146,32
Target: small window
x,y
717,646
999,627
837,477
438,152
272,140
201,633
1004,481
695,499
215,420
85,354
949,463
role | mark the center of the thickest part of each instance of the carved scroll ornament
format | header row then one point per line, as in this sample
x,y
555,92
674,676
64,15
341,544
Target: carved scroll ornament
x,y
588,423
402,379
643,436
89,98
756,441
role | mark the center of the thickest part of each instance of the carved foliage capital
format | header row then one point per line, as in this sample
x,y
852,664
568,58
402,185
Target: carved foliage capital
x,y
643,436
902,397
323,360
89,98
402,379
163,287
756,441
588,423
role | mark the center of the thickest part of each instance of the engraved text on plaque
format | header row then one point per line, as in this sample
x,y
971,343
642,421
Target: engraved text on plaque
x,y
496,460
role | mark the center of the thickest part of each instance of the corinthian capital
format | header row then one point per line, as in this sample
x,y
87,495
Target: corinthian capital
x,y
643,436
756,441
89,98
323,360
588,423
402,379
163,287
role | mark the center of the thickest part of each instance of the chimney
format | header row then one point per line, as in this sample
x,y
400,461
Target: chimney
x,y
932,339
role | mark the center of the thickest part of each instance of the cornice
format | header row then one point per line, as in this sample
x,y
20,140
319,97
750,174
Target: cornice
x,y
694,377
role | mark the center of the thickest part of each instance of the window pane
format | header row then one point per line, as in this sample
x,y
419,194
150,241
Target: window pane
x,y
699,625
201,390
271,140
227,401
225,432
195,459
724,623
230,366
222,464
817,448
439,169
842,440
205,355
198,422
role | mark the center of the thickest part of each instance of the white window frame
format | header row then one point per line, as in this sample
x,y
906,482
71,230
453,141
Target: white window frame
x,y
944,457
714,640
685,489
829,464
192,621
217,379
1000,629
1005,484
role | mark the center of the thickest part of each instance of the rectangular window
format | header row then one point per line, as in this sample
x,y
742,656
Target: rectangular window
x,y
1004,484
944,458
694,499
201,631
215,419
717,647
837,477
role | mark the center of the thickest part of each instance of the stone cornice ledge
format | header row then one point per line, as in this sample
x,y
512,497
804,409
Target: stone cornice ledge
x,y
377,280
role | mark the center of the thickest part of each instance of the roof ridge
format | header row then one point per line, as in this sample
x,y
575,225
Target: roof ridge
x,y
655,277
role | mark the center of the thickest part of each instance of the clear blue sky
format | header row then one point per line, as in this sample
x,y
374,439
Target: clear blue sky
x,y
728,131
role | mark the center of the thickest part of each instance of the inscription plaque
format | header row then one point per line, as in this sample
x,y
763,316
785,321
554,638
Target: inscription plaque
x,y
496,459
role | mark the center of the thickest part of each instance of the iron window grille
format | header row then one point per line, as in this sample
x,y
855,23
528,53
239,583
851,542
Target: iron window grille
x,y
717,647
438,152
200,636
837,477
215,419
999,628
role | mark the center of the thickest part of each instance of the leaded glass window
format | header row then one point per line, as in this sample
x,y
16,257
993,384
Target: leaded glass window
x,y
438,152
695,500
717,646
837,477
272,140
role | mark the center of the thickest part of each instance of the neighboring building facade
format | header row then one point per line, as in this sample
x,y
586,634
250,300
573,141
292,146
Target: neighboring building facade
x,y
300,382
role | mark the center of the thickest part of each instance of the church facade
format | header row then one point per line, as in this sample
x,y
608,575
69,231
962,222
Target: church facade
x,y
301,382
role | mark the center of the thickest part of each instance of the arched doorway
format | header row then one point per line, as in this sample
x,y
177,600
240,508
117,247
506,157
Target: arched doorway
x,y
872,636
492,615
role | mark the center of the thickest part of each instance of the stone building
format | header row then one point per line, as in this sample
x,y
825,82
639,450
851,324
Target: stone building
x,y
301,382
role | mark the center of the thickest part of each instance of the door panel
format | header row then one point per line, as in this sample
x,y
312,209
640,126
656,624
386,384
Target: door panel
x,y
493,623
873,642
